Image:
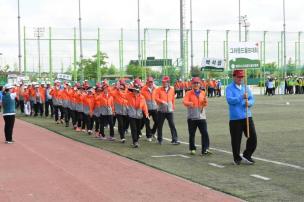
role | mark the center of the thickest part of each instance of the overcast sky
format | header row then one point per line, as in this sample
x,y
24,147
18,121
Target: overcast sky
x,y
115,14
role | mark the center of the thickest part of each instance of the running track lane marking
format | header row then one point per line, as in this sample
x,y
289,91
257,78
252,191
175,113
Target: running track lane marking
x,y
260,177
256,158
172,155
216,165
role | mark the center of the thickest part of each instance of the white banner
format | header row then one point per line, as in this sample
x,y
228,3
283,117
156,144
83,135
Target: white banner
x,y
64,77
213,62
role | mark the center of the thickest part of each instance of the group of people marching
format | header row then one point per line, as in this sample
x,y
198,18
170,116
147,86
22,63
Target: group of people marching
x,y
212,87
132,106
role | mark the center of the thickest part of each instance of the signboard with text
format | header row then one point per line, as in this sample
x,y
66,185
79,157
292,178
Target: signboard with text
x,y
213,64
244,55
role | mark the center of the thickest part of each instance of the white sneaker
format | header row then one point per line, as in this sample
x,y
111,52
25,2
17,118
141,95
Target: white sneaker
x,y
8,142
149,139
123,140
245,161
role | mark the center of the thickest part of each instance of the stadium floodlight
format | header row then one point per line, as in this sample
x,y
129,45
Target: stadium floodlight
x,y
245,24
39,32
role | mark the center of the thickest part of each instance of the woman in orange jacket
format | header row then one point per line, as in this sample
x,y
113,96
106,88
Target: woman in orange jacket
x,y
106,112
137,109
88,109
148,91
165,99
196,103
120,104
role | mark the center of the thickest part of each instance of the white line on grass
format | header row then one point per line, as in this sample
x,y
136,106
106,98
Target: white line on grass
x,y
172,155
216,165
260,177
256,158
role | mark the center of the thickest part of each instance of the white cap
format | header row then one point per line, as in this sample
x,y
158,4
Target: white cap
x,y
8,86
36,86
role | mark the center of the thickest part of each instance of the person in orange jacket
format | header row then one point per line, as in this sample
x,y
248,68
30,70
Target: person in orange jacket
x,y
196,103
79,107
120,105
27,103
38,101
66,101
97,105
148,91
72,95
88,109
137,109
106,112
56,94
165,98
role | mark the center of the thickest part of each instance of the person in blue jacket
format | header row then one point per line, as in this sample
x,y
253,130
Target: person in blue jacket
x,y
237,100
9,111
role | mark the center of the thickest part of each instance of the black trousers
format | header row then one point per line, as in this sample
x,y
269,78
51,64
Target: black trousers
x,y
122,124
56,110
38,108
96,121
9,122
149,130
67,115
90,122
49,105
135,125
79,118
21,102
202,126
73,117
161,120
237,128
103,121
84,121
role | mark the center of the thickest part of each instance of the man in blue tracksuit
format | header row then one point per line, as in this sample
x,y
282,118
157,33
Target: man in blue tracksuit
x,y
237,100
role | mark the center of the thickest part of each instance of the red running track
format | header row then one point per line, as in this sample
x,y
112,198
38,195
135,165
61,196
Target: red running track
x,y
43,166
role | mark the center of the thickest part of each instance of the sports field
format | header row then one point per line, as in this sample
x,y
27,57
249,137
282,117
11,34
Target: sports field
x,y
278,174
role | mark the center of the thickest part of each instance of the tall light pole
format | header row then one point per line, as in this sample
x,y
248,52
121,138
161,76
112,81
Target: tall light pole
x,y
182,55
38,32
240,31
191,35
284,33
138,33
80,43
19,40
246,24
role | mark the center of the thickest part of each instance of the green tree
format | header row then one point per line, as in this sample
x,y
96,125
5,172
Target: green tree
x,y
89,67
112,70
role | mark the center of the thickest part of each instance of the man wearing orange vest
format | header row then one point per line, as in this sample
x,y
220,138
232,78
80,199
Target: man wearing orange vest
x,y
137,109
165,98
196,103
148,91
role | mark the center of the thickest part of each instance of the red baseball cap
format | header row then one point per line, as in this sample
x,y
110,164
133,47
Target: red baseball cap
x,y
196,80
166,79
238,73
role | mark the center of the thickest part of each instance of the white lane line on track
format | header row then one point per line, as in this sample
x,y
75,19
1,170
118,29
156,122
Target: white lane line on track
x,y
172,155
256,158
216,165
260,177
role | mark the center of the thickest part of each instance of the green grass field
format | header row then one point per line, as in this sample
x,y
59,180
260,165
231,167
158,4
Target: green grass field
x,y
280,129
